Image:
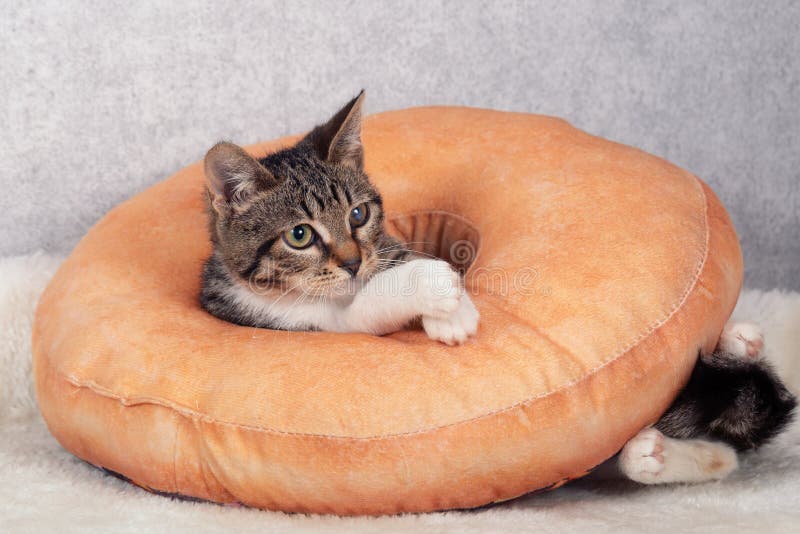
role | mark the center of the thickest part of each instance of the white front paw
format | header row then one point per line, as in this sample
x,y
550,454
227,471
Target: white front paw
x,y
457,327
436,287
744,340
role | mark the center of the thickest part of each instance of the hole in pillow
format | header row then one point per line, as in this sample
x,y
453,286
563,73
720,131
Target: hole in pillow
x,y
438,233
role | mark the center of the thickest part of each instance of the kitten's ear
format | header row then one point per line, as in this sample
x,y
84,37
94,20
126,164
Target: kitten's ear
x,y
339,139
232,175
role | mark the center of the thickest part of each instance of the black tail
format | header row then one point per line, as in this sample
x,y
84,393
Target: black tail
x,y
736,400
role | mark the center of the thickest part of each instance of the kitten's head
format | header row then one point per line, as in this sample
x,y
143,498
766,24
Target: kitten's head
x,y
306,217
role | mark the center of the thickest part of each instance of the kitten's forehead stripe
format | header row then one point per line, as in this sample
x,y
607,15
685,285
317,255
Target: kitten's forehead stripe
x,y
320,202
304,207
335,195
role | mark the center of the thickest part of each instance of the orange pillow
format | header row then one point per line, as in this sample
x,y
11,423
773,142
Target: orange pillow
x,y
600,272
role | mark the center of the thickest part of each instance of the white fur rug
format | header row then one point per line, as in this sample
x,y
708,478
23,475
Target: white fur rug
x,y
45,489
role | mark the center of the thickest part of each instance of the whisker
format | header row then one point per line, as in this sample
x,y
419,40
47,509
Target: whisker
x,y
295,304
274,302
417,252
403,245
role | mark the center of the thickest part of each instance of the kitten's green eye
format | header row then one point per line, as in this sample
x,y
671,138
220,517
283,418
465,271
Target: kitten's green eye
x,y
359,215
301,236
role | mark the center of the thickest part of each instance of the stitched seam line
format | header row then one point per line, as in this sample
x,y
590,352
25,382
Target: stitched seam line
x,y
102,391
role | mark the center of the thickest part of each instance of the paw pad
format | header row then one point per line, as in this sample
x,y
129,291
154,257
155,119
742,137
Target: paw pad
x,y
744,340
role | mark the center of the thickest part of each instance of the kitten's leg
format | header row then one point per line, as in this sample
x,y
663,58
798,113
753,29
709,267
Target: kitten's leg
x,y
392,298
451,329
742,339
652,458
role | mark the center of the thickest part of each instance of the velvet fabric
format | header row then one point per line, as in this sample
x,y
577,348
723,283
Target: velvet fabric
x,y
600,272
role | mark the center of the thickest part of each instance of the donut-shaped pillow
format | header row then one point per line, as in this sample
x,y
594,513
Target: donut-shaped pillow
x,y
599,271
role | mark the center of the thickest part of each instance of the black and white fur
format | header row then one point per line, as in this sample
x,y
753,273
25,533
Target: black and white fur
x,y
733,402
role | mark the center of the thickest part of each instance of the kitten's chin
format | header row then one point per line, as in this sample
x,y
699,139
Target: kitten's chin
x,y
343,289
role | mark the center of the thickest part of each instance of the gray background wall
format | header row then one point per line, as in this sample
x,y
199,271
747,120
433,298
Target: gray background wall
x,y
102,99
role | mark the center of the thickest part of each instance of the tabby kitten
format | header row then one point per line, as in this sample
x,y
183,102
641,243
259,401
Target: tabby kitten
x,y
299,244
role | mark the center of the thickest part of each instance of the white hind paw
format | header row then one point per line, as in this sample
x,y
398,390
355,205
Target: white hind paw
x,y
652,458
642,458
744,340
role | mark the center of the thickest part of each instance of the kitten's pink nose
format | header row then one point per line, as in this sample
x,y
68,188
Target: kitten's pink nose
x,y
351,265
